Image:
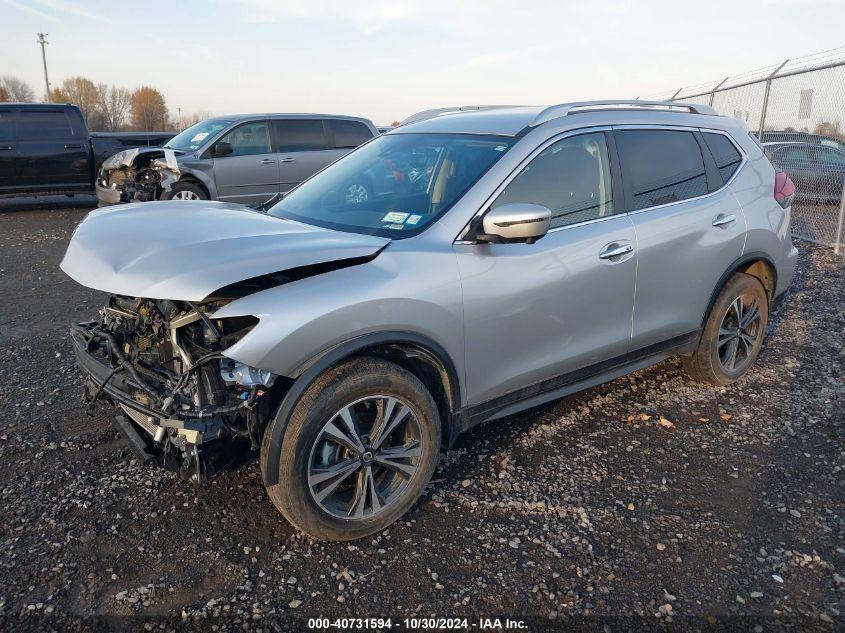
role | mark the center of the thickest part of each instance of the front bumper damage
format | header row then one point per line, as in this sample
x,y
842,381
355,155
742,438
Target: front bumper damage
x,y
137,175
196,413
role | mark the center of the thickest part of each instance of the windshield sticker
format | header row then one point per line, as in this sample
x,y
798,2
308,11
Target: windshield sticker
x,y
413,219
198,137
394,216
500,148
397,227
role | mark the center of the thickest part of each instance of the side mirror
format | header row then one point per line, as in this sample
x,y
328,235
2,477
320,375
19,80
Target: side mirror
x,y
515,222
222,148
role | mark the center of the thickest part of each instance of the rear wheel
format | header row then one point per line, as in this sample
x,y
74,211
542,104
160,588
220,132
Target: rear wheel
x,y
733,334
358,450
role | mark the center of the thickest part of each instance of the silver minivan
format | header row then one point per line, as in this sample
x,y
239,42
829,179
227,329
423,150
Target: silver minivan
x,y
503,257
245,158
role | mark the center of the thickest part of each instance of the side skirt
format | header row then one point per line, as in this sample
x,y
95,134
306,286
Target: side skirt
x,y
569,383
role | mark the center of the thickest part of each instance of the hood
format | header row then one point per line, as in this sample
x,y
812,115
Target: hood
x,y
127,157
185,250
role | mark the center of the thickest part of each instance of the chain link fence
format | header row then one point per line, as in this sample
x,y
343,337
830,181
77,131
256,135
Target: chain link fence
x,y
797,110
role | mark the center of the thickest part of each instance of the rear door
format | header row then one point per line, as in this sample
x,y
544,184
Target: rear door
x,y
689,226
303,149
8,150
250,174
831,171
53,150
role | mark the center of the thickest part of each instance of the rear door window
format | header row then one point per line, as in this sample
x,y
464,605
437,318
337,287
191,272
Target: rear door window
x,y
661,166
796,155
348,134
7,125
44,124
724,152
299,135
830,157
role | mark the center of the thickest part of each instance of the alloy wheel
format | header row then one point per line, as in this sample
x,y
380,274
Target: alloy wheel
x,y
185,195
364,457
739,333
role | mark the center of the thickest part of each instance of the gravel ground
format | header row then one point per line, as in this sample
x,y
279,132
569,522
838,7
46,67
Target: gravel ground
x,y
648,501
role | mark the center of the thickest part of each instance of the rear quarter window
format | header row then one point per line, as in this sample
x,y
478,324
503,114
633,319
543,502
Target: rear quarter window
x,y
349,134
726,155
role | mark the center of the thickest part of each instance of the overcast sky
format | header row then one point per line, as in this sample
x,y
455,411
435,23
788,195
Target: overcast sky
x,y
386,60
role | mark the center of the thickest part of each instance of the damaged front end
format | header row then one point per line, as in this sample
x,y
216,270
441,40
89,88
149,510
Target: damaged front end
x,y
137,175
187,406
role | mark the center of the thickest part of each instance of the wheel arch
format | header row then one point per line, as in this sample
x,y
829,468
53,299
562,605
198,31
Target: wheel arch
x,y
758,265
422,356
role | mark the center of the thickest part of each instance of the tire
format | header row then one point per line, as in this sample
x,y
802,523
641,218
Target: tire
x,y
363,387
726,351
184,190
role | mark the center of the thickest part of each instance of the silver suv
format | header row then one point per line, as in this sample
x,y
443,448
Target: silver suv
x,y
506,257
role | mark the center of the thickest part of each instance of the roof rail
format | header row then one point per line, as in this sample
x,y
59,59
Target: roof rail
x,y
564,109
430,114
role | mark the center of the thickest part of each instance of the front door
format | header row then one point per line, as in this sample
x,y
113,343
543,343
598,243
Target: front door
x,y
250,174
690,227
536,312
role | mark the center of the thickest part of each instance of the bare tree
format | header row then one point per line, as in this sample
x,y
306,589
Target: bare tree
x,y
195,117
4,94
149,111
114,105
17,89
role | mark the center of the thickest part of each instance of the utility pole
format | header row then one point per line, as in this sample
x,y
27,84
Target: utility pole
x,y
179,110
42,39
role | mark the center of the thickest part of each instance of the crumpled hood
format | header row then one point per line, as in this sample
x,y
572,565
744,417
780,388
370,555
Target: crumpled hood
x,y
126,158
185,250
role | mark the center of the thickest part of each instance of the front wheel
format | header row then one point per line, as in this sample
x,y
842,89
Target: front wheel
x,y
358,450
733,334
185,191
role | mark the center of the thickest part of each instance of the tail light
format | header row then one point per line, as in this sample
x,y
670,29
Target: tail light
x,y
784,189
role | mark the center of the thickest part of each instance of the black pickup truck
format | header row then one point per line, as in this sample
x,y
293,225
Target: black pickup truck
x,y
46,149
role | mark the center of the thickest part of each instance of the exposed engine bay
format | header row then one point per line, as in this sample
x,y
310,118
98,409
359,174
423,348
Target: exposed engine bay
x,y
134,175
187,406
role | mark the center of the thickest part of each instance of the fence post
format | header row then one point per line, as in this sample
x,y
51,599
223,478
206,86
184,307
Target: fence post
x,y
838,243
766,100
715,88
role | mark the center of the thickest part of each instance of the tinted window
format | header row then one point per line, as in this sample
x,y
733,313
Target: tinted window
x,y
43,124
570,177
248,139
724,152
828,156
299,135
7,125
349,133
662,166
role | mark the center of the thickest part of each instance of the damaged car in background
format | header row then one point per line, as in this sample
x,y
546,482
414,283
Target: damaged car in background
x,y
246,159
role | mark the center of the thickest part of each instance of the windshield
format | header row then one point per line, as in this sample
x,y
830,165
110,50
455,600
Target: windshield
x,y
395,185
194,137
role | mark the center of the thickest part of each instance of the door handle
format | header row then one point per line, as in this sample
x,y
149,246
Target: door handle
x,y
723,220
6,148
73,146
268,161
287,160
615,249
